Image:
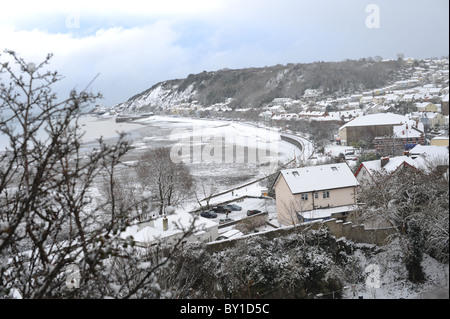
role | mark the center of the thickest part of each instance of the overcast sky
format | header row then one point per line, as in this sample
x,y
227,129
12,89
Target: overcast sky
x,y
135,44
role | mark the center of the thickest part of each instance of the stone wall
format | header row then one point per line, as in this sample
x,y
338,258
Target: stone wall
x,y
338,228
357,233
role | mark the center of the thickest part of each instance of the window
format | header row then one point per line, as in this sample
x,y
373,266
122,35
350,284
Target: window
x,y
295,173
304,197
326,194
316,195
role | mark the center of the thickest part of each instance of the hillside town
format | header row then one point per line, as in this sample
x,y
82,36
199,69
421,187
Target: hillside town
x,y
421,93
224,158
399,128
402,125
357,189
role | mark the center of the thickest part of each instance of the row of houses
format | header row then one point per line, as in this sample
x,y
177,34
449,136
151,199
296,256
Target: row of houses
x,y
302,194
330,191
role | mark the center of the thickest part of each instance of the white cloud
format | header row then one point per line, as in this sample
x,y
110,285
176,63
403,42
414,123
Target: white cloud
x,y
22,10
135,44
125,58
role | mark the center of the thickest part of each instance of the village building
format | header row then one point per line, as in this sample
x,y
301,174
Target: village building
x,y
445,105
439,141
370,126
427,107
170,229
423,158
403,138
367,171
315,192
431,152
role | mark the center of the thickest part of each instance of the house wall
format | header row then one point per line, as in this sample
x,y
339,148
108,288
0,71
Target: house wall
x,y
436,120
288,204
445,108
430,107
338,197
439,142
205,236
357,133
363,176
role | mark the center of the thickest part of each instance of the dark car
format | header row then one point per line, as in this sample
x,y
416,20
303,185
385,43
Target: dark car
x,y
208,214
233,207
253,212
221,210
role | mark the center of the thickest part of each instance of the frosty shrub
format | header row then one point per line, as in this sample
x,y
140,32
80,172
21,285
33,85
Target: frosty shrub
x,y
415,204
299,265
51,226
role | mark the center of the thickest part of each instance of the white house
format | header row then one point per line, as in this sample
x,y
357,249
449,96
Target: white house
x,y
314,192
432,152
169,229
367,170
420,157
277,109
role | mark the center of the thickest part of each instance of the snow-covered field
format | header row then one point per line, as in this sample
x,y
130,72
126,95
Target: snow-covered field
x,y
221,154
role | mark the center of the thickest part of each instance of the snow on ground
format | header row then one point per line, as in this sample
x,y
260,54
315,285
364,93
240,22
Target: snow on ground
x,y
226,153
95,127
386,276
177,129
156,130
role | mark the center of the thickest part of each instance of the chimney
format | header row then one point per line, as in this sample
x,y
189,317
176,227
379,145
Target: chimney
x,y
165,223
384,161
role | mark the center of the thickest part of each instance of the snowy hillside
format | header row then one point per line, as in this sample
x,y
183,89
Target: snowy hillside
x,y
161,95
255,87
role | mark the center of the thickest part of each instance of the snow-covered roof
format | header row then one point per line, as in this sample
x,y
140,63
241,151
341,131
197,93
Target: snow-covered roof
x,y
432,151
321,177
429,156
377,119
391,166
408,130
326,212
177,223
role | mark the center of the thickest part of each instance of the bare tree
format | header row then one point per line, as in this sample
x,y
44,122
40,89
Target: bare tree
x,y
205,195
415,204
170,183
56,238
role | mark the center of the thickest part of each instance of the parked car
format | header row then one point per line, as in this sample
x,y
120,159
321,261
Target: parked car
x,y
225,220
208,214
233,207
221,210
253,212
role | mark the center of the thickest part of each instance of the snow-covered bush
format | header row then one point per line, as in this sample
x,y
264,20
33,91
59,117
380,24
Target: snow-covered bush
x,y
299,265
416,204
